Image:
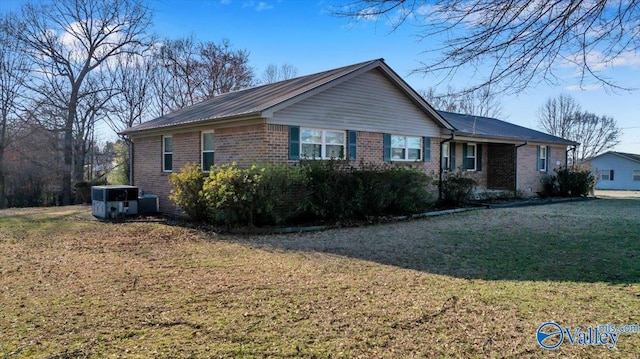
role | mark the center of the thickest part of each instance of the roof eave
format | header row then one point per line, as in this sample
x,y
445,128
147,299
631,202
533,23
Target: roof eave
x,y
196,123
514,139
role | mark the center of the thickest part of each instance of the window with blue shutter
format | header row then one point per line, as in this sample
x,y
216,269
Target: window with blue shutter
x,y
294,142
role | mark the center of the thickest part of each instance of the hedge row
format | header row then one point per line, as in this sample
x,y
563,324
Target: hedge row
x,y
310,191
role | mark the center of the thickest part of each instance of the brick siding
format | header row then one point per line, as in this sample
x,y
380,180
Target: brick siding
x,y
269,143
501,173
529,177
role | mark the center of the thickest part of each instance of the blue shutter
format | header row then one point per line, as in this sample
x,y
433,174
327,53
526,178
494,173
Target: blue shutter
x,y
464,156
427,149
538,161
452,156
386,147
294,142
353,140
611,175
479,157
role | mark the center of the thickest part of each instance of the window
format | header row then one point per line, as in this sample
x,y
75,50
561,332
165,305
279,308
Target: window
x,y
207,151
606,175
167,153
406,148
470,157
445,156
321,144
636,175
542,158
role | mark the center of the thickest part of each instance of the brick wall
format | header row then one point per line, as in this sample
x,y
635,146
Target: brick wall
x,y
147,169
529,178
244,145
479,176
500,166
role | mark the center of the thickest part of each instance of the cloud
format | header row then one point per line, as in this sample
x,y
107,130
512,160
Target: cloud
x,y
263,6
367,14
589,87
598,61
259,6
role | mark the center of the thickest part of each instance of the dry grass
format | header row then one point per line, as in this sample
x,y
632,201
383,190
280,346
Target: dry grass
x,y
476,284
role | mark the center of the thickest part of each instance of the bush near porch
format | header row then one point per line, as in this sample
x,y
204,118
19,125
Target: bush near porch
x,y
310,191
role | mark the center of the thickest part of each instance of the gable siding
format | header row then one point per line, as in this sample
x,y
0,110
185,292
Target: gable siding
x,y
623,172
368,102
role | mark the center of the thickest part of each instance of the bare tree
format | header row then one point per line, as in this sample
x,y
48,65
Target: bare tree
x,y
13,71
223,69
478,103
190,71
68,40
133,77
561,116
595,134
273,73
178,78
556,115
522,42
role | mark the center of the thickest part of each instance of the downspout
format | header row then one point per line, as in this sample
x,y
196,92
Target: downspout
x,y
453,135
130,162
515,167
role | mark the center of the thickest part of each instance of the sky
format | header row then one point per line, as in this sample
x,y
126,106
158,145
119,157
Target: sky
x,y
305,34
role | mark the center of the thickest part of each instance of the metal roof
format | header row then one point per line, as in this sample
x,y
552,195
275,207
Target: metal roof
x,y
257,101
492,128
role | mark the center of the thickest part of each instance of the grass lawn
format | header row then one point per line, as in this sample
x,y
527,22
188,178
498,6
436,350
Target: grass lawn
x,y
474,285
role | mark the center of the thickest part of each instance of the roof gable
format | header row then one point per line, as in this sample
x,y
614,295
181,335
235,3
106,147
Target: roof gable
x,y
492,128
262,101
628,156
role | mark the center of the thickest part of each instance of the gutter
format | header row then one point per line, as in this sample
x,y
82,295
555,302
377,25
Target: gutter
x,y
441,172
515,166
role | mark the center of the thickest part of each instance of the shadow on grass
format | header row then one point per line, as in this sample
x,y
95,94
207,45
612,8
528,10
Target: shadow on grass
x,y
592,241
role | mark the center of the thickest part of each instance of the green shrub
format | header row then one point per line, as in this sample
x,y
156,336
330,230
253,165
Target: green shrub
x,y
186,192
272,194
457,188
568,182
315,190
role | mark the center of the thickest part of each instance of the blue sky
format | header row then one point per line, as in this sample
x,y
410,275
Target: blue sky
x,y
303,33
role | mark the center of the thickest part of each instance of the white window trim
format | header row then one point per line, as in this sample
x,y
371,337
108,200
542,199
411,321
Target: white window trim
x,y
446,154
202,150
633,175
608,172
545,158
475,156
323,144
164,153
406,149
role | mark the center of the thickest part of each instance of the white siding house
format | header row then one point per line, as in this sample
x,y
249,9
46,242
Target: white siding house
x,y
617,170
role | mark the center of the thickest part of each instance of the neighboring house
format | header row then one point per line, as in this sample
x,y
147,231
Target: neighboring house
x,y
616,170
364,112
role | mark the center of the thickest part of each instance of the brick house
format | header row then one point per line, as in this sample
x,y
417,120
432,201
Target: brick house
x,y
363,112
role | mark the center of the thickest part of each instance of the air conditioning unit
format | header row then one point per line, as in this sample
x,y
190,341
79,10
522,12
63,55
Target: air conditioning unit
x,y
115,201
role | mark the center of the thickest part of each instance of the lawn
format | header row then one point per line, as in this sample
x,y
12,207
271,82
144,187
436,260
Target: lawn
x,y
475,284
